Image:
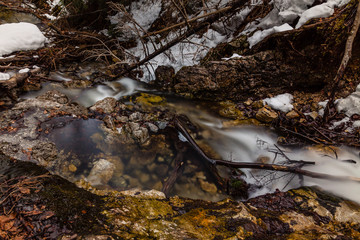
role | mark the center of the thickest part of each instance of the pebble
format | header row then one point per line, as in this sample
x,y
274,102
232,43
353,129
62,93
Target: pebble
x,y
266,115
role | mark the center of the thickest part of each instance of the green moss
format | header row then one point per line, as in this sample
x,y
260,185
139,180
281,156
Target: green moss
x,y
74,206
149,100
230,110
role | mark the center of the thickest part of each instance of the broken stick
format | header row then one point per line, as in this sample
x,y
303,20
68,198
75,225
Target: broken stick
x,y
273,167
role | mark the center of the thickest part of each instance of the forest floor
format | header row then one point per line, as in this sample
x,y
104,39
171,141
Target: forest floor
x,y
282,63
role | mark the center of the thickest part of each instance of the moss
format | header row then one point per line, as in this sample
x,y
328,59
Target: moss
x,y
74,206
149,100
230,110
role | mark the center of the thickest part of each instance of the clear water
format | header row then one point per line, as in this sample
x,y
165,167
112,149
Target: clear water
x,y
243,143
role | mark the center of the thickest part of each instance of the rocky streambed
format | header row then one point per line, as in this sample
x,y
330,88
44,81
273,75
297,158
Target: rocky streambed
x,y
122,155
82,157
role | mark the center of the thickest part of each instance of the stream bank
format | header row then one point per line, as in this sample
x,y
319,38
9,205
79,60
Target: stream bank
x,y
128,140
304,213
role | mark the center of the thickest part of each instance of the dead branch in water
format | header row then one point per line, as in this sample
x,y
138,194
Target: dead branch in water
x,y
344,62
296,169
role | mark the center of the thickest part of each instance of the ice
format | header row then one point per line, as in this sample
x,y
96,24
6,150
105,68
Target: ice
x,y
19,37
281,102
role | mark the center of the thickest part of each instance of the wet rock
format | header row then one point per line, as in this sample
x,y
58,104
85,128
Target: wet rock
x,y
266,115
144,178
77,84
229,110
164,77
192,80
25,120
119,182
208,187
305,213
72,168
145,194
258,104
152,127
54,96
122,119
161,170
313,115
101,173
107,105
292,114
138,132
142,134
136,116
149,100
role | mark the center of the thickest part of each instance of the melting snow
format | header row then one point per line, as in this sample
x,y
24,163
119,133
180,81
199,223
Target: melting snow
x,y
281,102
20,36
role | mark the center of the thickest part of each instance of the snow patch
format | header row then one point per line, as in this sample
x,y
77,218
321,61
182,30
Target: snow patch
x,y
260,35
351,104
338,123
281,102
287,11
143,12
50,16
25,70
356,124
4,76
235,55
186,53
19,37
53,3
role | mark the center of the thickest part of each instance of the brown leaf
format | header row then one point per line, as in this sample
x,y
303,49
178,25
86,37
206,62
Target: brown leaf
x,y
47,215
24,190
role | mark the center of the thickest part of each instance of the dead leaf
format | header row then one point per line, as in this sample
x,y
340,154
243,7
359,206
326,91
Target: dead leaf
x,y
24,190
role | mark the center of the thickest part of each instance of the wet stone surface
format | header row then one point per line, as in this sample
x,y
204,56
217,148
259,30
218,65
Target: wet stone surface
x,y
113,145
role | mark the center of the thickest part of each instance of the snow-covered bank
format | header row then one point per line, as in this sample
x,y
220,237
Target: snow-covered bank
x,y
286,13
186,53
20,37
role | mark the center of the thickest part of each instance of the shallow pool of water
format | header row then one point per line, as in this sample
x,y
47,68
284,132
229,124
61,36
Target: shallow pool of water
x,y
244,143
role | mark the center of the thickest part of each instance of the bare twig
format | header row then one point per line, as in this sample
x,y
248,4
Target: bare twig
x,y
188,21
273,167
344,63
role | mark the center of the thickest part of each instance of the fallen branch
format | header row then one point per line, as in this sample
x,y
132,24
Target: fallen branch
x,y
296,169
344,62
185,22
200,26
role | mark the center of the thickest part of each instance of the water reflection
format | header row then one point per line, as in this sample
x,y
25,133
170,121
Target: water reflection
x,y
244,143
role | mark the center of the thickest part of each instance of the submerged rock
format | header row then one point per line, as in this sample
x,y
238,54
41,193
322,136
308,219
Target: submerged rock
x,y
101,173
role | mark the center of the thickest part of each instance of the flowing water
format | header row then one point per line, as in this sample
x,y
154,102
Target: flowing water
x,y
242,144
